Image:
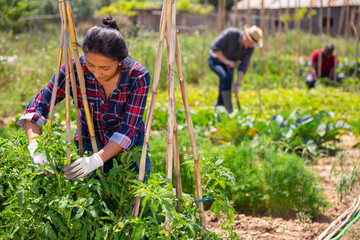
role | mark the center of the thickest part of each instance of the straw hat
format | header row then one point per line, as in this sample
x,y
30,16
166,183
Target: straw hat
x,y
254,34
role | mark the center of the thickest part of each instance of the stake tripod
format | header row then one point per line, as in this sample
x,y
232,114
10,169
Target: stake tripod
x,y
167,20
68,29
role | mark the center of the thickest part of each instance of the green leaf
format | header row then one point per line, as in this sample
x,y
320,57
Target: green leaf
x,y
138,232
49,232
92,212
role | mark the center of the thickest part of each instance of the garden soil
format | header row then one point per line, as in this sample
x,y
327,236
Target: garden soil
x,y
267,227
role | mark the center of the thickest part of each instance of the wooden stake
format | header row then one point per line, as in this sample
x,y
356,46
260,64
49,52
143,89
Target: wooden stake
x,y
171,100
279,40
320,36
67,86
328,16
310,27
177,171
81,76
236,22
356,35
76,103
248,21
152,104
67,98
191,133
56,80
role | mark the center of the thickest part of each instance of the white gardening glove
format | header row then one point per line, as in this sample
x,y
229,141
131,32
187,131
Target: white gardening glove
x,y
83,166
39,158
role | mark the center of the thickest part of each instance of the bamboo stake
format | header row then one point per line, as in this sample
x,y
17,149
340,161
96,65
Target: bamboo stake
x,y
171,58
341,23
320,36
220,16
343,219
152,103
235,13
279,40
347,37
67,76
341,20
80,76
264,27
191,132
356,35
248,21
310,27
177,165
328,16
175,135
298,22
67,98
76,103
56,80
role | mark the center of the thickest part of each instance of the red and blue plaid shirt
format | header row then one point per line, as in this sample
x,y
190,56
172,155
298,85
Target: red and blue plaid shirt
x,y
118,119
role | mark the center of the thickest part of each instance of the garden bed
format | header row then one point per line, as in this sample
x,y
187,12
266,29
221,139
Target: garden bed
x,y
300,227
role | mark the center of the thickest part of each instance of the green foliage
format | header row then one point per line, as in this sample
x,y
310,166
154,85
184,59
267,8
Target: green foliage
x,y
303,134
127,7
271,182
12,11
35,205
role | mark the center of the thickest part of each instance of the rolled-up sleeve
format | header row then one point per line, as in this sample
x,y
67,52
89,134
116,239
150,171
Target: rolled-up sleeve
x,y
134,111
245,61
39,107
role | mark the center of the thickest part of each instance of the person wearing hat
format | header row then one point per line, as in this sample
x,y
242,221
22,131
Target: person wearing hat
x,y
328,59
230,46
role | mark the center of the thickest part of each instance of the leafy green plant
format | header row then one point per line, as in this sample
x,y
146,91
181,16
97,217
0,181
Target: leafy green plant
x,y
271,182
34,205
304,134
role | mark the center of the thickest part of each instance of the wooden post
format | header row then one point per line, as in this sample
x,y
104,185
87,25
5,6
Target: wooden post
x,y
191,132
76,105
248,21
328,18
347,36
177,171
279,40
175,135
298,22
320,36
152,103
80,76
264,27
236,22
171,100
59,60
310,26
356,35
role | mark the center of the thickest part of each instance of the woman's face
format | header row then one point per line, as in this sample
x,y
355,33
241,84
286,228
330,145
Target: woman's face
x,y
104,69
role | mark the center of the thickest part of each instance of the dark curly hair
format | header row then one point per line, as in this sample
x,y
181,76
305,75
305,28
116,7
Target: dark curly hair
x,y
106,40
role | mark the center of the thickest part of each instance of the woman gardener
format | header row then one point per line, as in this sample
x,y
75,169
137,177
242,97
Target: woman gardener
x,y
116,88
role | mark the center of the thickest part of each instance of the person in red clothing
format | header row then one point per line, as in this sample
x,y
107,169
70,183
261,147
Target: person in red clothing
x,y
328,59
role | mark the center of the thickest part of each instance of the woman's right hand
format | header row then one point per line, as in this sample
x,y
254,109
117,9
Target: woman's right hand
x,y
39,158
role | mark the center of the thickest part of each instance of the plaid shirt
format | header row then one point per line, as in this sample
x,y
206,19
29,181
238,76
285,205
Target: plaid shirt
x,y
117,119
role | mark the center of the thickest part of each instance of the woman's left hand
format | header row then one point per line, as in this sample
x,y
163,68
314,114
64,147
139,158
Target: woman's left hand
x,y
83,167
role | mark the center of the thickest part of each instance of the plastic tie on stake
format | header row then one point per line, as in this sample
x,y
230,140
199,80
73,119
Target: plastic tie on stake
x,y
204,199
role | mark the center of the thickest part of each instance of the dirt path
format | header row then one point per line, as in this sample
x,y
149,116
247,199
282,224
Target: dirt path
x,y
254,228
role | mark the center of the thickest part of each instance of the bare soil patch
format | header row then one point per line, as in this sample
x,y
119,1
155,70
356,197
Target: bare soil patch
x,y
267,227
